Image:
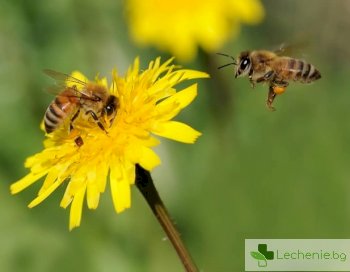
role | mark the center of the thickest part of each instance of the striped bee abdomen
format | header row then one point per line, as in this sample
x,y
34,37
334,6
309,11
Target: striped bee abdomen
x,y
306,72
57,112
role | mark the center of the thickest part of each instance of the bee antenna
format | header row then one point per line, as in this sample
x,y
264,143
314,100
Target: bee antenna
x,y
228,64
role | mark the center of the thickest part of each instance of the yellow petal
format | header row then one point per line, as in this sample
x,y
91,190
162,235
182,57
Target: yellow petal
x,y
77,181
42,125
134,70
192,74
44,194
26,181
165,83
36,162
102,81
67,197
101,176
120,188
177,131
185,96
161,89
92,193
49,180
148,158
130,172
76,209
150,141
171,106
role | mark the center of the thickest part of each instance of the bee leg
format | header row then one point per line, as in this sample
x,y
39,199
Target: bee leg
x,y
78,140
94,116
279,86
252,82
280,83
270,98
276,87
72,120
267,77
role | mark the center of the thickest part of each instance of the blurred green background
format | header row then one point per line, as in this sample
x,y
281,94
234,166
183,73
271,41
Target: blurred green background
x,y
253,173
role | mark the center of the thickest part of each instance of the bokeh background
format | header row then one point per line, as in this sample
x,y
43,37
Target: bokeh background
x,y
253,173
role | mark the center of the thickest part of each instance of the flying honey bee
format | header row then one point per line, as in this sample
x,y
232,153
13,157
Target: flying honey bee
x,y
272,68
90,100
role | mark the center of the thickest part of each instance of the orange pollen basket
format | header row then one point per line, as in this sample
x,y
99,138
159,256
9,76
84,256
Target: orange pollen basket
x,y
278,89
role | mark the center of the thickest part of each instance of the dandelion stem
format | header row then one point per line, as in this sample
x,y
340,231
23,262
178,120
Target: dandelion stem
x,y
145,184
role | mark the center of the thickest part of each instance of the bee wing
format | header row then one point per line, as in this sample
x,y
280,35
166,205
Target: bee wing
x,y
291,49
61,84
63,78
58,89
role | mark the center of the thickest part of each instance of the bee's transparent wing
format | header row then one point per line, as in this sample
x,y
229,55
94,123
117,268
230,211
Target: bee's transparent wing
x,y
291,49
58,89
61,84
62,78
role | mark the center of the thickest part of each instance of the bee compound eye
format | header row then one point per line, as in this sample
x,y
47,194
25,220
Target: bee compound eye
x,y
244,63
109,109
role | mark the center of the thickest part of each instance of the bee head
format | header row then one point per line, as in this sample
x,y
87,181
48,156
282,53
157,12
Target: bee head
x,y
244,64
110,109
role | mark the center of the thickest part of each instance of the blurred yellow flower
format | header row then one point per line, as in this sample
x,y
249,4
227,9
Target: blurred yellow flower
x,y
180,26
147,103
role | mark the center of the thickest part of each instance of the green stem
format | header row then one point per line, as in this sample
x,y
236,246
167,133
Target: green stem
x,y
146,186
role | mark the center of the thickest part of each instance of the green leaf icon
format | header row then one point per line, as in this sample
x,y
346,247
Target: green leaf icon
x,y
262,262
257,255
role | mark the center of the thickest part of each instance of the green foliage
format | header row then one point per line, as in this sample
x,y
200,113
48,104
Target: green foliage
x,y
253,173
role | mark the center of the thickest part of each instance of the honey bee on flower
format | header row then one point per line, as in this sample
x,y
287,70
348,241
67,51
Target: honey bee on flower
x,y
79,98
112,138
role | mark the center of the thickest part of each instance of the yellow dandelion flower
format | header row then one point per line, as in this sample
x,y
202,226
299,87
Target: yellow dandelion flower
x,y
181,26
147,103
